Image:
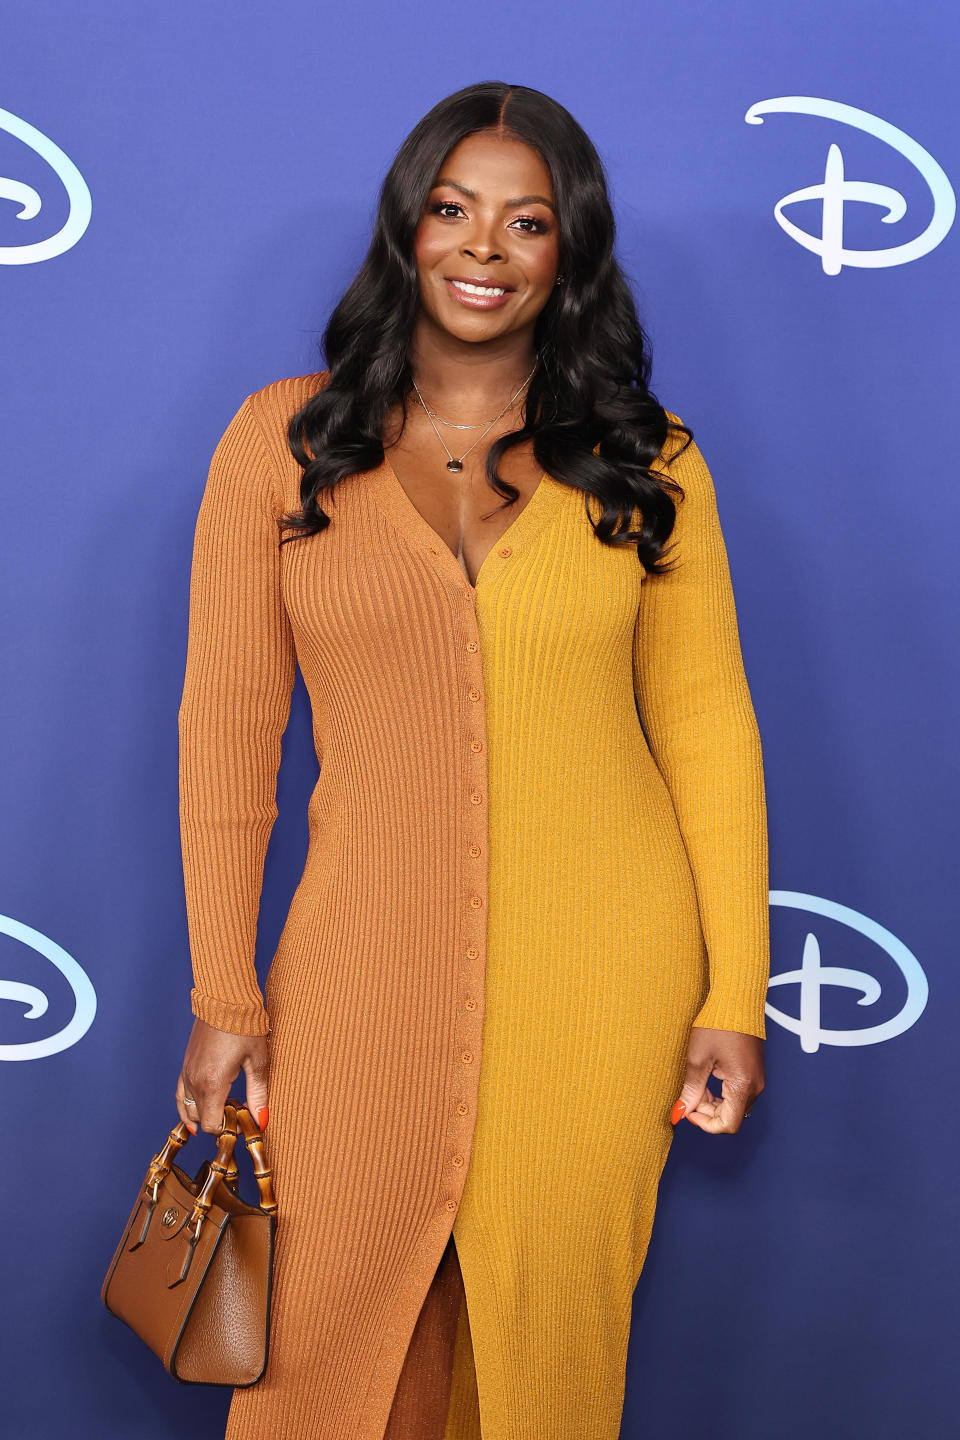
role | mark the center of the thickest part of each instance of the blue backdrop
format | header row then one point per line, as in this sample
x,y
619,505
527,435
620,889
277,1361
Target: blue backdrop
x,y
184,195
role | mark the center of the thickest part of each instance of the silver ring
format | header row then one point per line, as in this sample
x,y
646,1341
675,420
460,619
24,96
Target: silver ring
x,y
188,1102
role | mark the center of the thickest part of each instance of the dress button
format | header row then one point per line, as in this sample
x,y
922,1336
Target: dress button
x,y
476,744
451,1204
472,645
470,1004
474,850
476,901
456,1160
505,551
462,1109
467,1056
474,693
475,797
472,952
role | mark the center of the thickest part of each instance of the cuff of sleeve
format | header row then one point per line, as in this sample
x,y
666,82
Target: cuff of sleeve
x,y
745,1014
249,1019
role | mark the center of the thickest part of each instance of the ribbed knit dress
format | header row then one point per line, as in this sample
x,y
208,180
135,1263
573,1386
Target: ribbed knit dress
x,y
537,856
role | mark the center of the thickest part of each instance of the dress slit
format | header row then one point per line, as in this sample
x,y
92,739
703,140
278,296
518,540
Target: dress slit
x,y
422,1398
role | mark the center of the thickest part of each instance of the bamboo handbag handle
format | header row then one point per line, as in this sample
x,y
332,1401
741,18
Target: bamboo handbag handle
x,y
223,1167
236,1113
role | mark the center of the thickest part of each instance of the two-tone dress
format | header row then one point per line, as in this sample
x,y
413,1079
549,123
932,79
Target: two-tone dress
x,y
537,856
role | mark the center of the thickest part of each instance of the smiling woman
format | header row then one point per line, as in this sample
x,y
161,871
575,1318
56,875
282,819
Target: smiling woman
x,y
483,247
533,915
513,242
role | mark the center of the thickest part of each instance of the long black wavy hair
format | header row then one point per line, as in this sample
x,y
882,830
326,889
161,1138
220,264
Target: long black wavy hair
x,y
590,391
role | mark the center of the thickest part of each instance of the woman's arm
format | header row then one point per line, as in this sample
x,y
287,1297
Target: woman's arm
x,y
240,669
697,714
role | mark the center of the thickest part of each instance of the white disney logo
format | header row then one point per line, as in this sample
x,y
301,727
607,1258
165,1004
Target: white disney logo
x,y
81,205
836,190
812,976
35,1000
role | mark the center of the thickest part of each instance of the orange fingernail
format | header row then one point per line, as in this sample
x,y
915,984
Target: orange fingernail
x,y
677,1112
191,1128
263,1115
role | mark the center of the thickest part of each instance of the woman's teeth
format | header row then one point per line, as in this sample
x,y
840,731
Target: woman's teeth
x,y
476,289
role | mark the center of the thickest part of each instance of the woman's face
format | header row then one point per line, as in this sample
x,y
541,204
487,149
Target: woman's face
x,y
488,222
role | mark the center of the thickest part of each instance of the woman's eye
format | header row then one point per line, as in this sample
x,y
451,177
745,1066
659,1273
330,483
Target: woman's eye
x,y
530,223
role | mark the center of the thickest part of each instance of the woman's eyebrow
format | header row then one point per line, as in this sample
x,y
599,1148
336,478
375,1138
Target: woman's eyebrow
x,y
507,204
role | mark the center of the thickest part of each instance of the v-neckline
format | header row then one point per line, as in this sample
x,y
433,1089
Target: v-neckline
x,y
408,517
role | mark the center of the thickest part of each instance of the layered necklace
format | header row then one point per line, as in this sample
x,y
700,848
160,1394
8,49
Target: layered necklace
x,y
453,463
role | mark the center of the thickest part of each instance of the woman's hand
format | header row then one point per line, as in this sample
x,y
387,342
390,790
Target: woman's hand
x,y
213,1060
737,1061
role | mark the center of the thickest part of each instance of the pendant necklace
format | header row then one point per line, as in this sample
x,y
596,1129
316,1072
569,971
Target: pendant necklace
x,y
453,463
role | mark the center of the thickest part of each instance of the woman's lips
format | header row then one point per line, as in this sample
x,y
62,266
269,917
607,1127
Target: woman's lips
x,y
477,302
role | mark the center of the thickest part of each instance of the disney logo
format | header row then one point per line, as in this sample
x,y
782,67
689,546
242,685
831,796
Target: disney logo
x,y
81,205
836,191
813,976
85,997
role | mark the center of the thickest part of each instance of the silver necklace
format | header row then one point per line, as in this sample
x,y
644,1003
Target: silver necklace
x,y
453,463
451,425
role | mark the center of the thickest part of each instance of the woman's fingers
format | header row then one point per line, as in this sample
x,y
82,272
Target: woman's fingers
x,y
720,1114
213,1060
187,1113
209,1100
709,1105
737,1061
256,1068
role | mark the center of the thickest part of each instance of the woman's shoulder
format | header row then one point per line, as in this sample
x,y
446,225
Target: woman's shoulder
x,y
676,435
680,451
275,404
262,423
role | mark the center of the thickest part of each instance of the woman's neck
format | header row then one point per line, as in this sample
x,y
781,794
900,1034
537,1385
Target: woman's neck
x,y
465,379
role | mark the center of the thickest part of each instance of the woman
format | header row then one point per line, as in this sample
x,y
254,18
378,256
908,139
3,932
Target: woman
x,y
526,932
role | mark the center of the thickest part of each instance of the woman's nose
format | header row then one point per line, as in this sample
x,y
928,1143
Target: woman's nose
x,y
480,246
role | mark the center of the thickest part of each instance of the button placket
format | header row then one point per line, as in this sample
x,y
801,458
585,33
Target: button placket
x,y
469,1015
473,777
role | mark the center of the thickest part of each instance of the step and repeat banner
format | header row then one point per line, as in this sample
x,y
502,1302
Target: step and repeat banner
x,y
184,195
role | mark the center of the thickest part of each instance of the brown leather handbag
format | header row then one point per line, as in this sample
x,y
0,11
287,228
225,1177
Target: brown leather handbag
x,y
192,1274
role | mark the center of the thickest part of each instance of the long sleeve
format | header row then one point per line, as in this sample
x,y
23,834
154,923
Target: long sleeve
x,y
240,669
698,716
